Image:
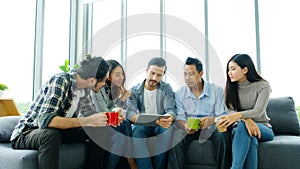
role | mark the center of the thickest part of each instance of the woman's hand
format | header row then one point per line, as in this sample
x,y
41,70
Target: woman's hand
x,y
121,117
252,128
227,120
125,95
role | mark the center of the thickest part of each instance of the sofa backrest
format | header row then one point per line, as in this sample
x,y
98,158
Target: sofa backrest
x,y
282,113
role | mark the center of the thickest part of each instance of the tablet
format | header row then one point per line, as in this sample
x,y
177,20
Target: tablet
x,y
149,119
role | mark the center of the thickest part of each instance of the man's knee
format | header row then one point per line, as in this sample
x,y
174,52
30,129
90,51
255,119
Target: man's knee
x,y
52,136
222,135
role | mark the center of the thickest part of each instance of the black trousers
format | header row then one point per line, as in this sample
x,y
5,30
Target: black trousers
x,y
221,146
48,142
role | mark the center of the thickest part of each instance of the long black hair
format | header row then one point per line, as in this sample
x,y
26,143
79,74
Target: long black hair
x,y
231,88
114,92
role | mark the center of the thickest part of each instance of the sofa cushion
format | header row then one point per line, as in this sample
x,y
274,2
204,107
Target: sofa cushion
x,y
72,156
17,159
281,153
7,125
200,153
284,119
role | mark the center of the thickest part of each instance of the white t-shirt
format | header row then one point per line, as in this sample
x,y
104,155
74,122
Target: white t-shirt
x,y
150,101
75,100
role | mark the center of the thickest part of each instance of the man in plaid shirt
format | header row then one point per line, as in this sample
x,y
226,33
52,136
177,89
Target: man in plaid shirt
x,y
59,111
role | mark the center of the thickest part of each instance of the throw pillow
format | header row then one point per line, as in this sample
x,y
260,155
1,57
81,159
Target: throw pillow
x,y
284,119
7,125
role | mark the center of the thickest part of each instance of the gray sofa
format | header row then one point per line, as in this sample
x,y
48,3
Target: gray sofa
x,y
72,155
281,153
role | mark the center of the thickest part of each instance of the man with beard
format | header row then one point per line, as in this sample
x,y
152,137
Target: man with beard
x,y
152,96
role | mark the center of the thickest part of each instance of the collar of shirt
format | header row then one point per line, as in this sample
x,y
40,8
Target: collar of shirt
x,y
205,91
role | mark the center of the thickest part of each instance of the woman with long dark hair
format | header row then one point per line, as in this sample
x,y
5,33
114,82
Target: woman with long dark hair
x,y
110,98
246,98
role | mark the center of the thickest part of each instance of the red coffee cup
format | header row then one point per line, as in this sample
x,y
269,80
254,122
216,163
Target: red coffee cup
x,y
113,118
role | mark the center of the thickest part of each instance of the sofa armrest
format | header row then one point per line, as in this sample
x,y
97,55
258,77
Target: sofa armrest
x,y
299,129
7,125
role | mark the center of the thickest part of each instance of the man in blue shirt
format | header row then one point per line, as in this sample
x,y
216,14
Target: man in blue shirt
x,y
206,101
59,111
152,96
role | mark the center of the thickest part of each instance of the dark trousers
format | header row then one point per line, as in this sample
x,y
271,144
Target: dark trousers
x,y
48,141
221,146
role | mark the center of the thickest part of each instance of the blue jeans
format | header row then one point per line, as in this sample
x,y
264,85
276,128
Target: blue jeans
x,y
145,148
244,147
119,143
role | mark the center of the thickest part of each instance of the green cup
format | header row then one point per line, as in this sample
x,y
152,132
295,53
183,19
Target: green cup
x,y
193,123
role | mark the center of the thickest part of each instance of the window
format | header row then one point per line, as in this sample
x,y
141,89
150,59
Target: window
x,y
143,37
280,39
17,48
56,36
185,36
231,30
107,29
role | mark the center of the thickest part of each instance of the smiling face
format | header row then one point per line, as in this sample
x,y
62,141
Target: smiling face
x,y
236,73
192,76
154,76
117,77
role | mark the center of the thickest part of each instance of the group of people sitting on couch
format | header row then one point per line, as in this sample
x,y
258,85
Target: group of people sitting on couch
x,y
72,106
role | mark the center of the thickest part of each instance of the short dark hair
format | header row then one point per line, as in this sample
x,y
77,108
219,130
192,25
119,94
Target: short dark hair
x,y
95,67
196,62
158,61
